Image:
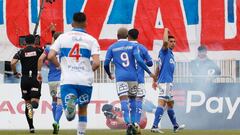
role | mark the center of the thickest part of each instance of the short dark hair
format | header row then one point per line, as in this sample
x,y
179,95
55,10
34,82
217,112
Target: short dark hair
x,y
171,36
79,17
202,48
30,39
133,33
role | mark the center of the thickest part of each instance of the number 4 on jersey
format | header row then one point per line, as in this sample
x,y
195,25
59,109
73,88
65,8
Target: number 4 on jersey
x,y
75,52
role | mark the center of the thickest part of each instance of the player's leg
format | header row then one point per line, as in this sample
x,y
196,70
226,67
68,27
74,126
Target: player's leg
x,y
172,117
26,90
158,115
69,100
162,97
122,90
139,101
53,92
59,110
84,97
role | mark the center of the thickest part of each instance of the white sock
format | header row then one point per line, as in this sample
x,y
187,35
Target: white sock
x,y
81,128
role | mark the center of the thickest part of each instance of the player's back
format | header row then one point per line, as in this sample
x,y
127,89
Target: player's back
x,y
146,57
28,58
123,58
76,48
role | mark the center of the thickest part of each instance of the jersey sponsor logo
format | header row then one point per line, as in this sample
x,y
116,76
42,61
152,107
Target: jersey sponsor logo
x,y
30,54
172,61
34,89
84,99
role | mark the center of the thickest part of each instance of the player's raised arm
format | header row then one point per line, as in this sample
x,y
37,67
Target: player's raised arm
x,y
165,39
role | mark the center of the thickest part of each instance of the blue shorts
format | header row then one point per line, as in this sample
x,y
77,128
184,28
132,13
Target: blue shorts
x,y
83,94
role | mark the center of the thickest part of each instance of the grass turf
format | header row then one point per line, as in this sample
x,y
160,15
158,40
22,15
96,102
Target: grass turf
x,y
122,132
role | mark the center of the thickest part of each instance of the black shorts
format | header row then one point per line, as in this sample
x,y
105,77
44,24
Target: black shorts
x,y
30,87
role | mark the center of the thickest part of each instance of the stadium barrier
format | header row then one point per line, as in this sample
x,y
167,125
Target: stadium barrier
x,y
213,107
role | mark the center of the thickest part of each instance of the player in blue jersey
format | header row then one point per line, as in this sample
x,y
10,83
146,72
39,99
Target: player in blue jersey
x,y
54,85
76,48
165,71
124,54
132,37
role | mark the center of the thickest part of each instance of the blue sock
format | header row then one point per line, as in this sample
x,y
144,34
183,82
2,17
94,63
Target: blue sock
x,y
138,110
125,109
171,115
82,118
59,110
133,109
54,104
158,116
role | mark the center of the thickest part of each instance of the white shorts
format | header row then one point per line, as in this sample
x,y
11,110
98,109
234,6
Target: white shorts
x,y
54,88
127,88
165,91
141,92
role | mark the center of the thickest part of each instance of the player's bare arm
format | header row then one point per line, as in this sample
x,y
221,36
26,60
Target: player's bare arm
x,y
40,63
52,57
154,84
165,39
96,62
13,66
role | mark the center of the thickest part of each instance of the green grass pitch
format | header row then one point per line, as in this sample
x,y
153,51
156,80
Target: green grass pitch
x,y
122,132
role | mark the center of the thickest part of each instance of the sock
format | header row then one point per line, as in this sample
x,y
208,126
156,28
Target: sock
x,y
82,124
171,115
54,104
29,115
58,114
138,111
158,116
125,110
133,110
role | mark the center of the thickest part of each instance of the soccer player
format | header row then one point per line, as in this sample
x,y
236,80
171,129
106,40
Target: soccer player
x,y
30,87
114,118
124,54
54,85
165,70
75,48
132,37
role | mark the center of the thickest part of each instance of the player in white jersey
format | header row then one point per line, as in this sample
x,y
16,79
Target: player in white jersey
x,y
75,49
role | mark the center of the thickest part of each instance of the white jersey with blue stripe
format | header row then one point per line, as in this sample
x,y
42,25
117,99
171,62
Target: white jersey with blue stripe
x,y
75,49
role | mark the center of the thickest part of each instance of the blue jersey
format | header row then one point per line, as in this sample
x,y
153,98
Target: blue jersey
x,y
53,74
122,53
147,58
166,66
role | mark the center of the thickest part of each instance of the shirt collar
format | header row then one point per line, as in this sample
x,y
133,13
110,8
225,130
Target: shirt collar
x,y
122,39
134,41
79,30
